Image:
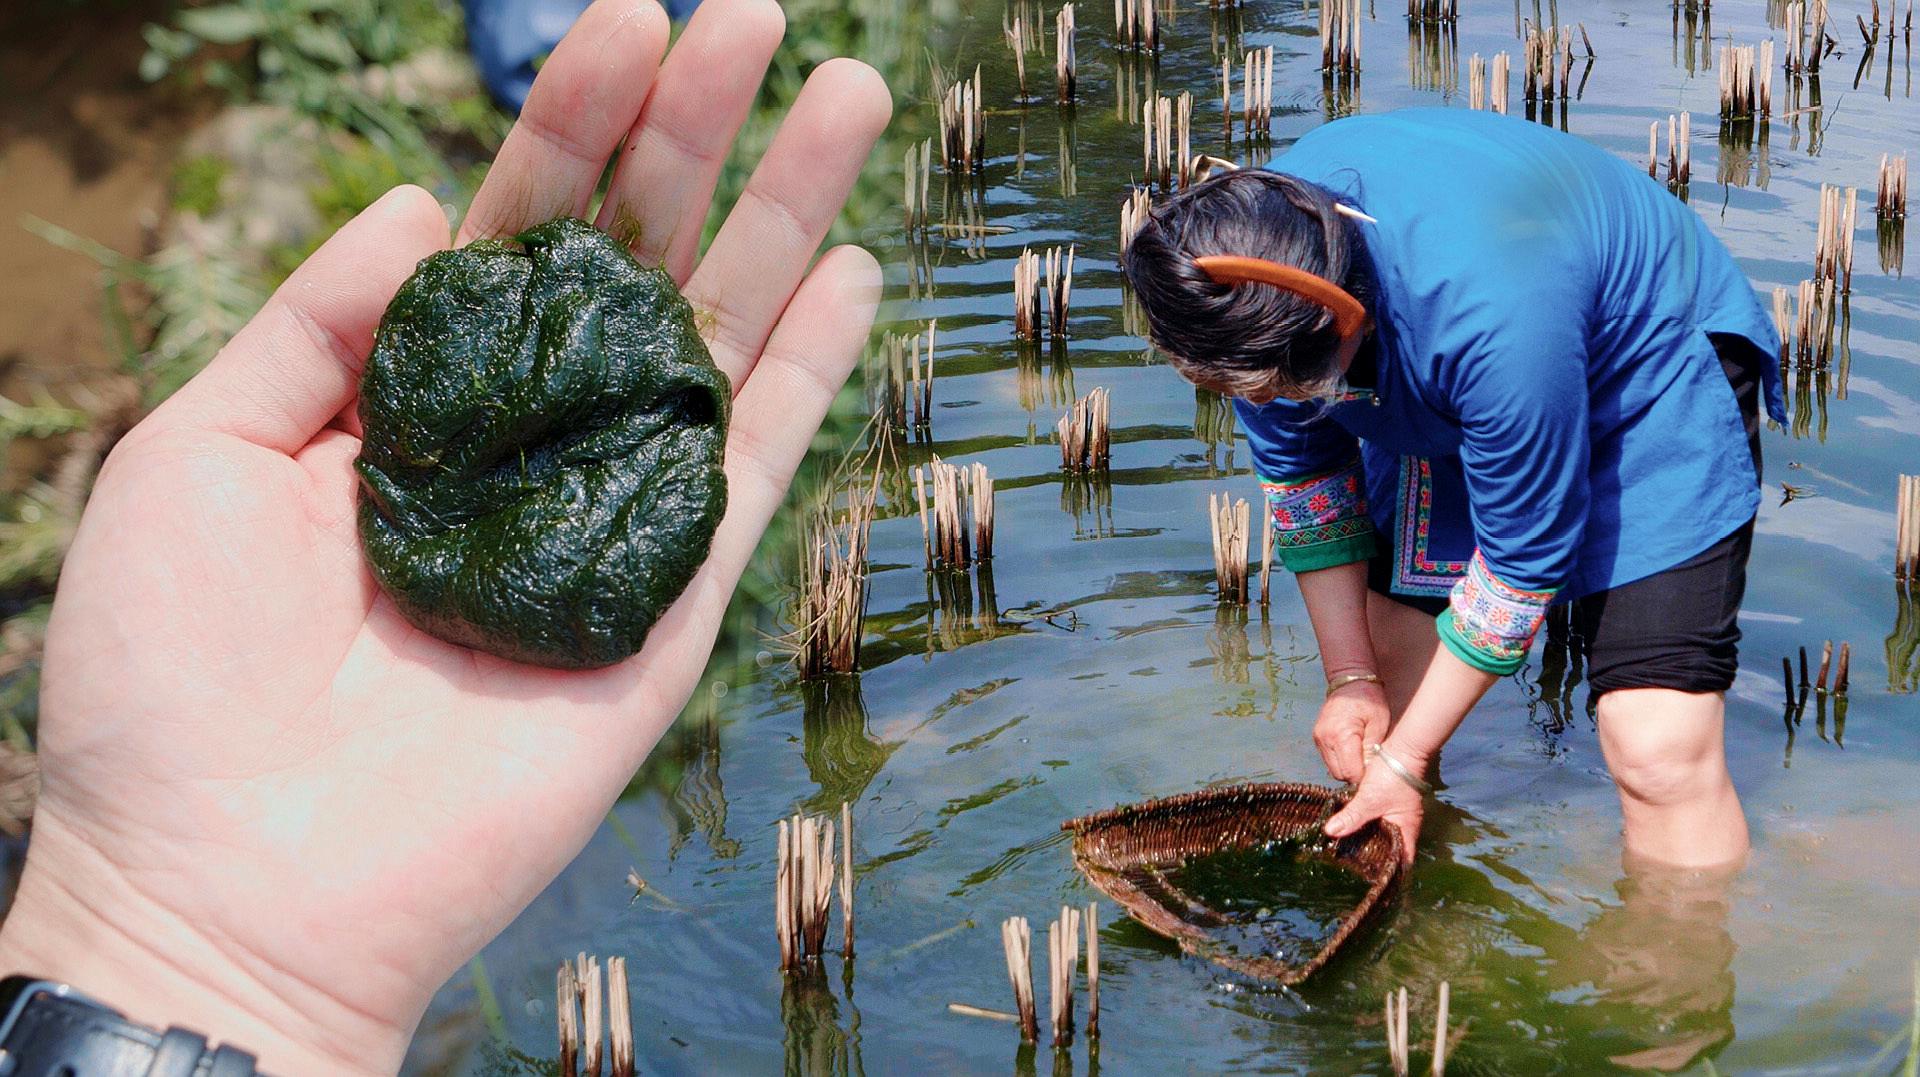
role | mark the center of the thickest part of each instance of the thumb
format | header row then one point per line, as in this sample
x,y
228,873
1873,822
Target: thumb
x,y
296,364
1347,820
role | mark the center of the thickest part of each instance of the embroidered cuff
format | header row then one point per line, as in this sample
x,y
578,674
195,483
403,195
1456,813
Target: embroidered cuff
x,y
1320,521
1489,625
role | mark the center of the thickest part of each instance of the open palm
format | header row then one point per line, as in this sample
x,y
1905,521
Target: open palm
x,y
273,809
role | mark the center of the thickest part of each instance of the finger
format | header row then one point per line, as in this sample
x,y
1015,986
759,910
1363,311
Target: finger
x,y
1409,838
581,106
665,177
1348,755
807,360
297,363
762,250
774,420
1347,820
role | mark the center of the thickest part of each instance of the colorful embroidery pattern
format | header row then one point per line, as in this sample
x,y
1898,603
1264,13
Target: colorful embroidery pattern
x,y
1494,618
1414,572
1324,508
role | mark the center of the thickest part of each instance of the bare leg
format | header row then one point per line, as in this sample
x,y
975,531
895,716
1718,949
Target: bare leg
x,y
1667,753
1403,643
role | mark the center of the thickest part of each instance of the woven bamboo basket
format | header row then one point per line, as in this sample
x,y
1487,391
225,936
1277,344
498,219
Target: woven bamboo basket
x,y
1126,851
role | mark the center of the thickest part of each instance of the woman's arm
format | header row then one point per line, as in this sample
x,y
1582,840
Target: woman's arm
x,y
1356,713
1449,690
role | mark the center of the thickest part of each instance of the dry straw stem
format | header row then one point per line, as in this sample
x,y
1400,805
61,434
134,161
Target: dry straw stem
x,y
1497,91
1826,661
959,528
1477,86
1016,938
1015,32
1133,216
1026,295
803,889
1266,554
1059,289
1746,82
566,1000
1065,74
1841,671
1833,243
1782,318
1679,149
1813,322
1537,70
619,1017
1891,202
1257,92
1229,518
963,131
917,171
832,605
1167,139
965,1010
1805,26
1083,430
1340,35
1063,961
1906,560
1397,1032
587,981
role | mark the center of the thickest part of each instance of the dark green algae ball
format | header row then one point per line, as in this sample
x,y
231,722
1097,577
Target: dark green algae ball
x,y
540,470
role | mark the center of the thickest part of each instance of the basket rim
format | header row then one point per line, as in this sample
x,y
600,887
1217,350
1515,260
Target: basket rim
x,y
1194,941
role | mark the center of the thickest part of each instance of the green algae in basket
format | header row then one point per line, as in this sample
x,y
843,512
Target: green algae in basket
x,y
541,458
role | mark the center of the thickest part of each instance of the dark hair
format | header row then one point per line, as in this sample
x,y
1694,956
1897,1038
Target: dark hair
x,y
1251,340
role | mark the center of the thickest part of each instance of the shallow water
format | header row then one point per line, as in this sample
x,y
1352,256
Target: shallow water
x,y
1277,900
1092,666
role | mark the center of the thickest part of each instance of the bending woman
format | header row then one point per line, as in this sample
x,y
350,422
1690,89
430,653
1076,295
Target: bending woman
x,y
1486,368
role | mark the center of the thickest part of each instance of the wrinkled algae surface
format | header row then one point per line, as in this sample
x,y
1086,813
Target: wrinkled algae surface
x,y
541,464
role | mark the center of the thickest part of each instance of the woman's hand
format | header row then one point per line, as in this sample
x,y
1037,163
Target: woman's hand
x,y
1354,715
274,811
1385,796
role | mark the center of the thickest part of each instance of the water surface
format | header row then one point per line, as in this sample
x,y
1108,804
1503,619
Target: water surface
x,y
1092,666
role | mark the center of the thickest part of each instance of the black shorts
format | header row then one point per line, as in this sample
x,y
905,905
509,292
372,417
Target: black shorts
x,y
1676,629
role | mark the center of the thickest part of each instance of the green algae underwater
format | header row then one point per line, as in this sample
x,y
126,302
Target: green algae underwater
x,y
1091,666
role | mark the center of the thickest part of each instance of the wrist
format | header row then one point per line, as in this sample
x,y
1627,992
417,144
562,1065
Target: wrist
x,y
75,920
1415,758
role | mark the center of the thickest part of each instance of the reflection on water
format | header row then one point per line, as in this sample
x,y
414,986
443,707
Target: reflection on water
x,y
1903,643
1662,955
1551,699
699,800
842,756
1087,496
815,1044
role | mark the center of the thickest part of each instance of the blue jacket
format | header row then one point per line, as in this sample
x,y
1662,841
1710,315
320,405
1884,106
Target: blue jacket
x,y
1549,417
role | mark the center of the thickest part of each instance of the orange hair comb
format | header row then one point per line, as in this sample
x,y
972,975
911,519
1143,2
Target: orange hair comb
x,y
1348,315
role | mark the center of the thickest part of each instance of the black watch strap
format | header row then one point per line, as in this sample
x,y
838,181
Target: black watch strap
x,y
48,1028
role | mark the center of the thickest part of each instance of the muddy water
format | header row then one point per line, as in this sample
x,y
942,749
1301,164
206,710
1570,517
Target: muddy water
x,y
1093,667
85,144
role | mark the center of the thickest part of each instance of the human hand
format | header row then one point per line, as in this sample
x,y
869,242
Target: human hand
x,y
275,812
1385,796
1353,716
